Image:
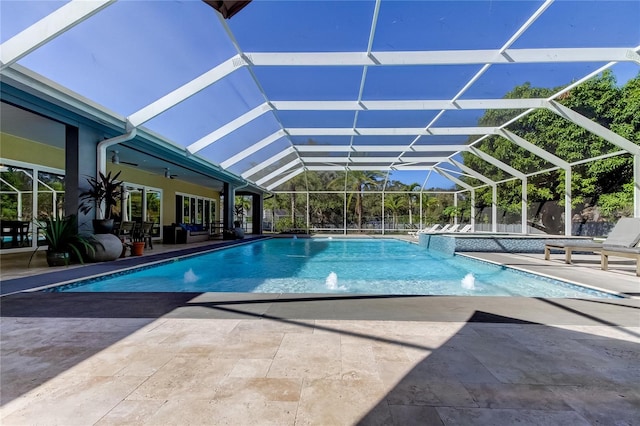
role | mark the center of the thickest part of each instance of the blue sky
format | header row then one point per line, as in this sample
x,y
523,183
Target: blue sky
x,y
134,52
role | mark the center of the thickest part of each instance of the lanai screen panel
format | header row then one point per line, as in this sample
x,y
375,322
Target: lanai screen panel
x,y
392,80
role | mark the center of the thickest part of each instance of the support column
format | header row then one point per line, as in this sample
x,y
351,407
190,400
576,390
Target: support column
x,y
257,205
494,208
524,214
567,202
455,204
229,196
344,214
421,225
383,221
308,215
80,162
636,186
72,171
473,210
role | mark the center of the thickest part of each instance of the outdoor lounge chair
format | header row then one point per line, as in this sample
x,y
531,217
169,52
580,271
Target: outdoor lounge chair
x,y
465,228
449,228
625,235
425,231
630,252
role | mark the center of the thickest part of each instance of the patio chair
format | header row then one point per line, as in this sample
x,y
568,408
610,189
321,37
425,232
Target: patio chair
x,y
147,229
425,231
624,235
445,228
449,228
465,228
630,252
125,231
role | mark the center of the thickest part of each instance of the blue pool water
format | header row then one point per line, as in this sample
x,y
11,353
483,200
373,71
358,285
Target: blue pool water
x,y
366,266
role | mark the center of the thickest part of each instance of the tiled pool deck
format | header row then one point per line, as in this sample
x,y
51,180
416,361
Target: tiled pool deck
x,y
241,359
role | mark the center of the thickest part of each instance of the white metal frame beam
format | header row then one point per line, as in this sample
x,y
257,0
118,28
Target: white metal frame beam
x,y
373,160
380,148
285,179
185,91
443,57
609,136
253,149
48,28
494,191
518,174
231,126
447,175
278,171
390,131
534,149
269,161
408,105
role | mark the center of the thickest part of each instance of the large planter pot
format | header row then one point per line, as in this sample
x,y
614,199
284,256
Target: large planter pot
x,y
107,247
55,258
102,226
137,248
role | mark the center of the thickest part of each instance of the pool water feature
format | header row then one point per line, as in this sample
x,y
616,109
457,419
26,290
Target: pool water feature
x,y
362,266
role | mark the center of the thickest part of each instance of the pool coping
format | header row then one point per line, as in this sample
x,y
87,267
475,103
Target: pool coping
x,y
94,270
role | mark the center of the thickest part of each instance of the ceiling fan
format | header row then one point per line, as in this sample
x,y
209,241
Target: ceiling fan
x,y
168,174
115,159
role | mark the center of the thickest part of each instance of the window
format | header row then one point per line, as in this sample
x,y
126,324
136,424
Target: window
x,y
195,210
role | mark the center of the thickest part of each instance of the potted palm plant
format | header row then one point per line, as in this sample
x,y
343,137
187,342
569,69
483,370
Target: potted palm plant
x,y
104,192
63,240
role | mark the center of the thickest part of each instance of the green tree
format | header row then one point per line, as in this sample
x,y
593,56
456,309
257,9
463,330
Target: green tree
x,y
599,99
357,182
395,203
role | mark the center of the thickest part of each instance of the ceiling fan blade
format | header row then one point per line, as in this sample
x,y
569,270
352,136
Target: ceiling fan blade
x,y
131,164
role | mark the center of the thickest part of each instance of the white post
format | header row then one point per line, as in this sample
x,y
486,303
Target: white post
x,y
420,210
344,214
636,186
494,208
473,209
383,213
308,216
455,204
567,202
524,213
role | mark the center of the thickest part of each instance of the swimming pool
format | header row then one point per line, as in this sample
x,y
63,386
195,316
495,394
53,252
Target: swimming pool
x,y
362,266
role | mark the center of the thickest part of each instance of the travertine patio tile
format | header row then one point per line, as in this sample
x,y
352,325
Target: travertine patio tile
x,y
528,397
236,345
417,390
317,367
351,372
124,361
616,406
392,372
236,390
631,334
486,416
297,345
273,326
131,412
251,368
413,415
390,352
448,363
69,400
342,402
200,412
185,377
